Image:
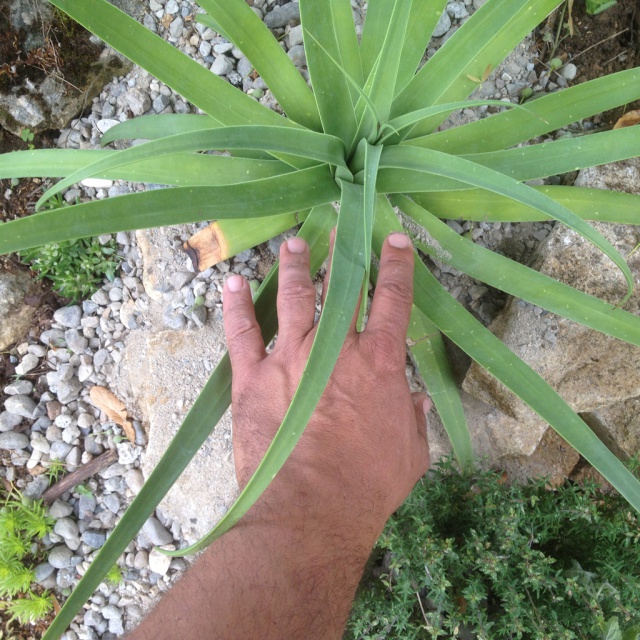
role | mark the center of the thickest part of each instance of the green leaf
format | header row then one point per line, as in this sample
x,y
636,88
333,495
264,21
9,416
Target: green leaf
x,y
371,162
185,169
562,156
484,206
301,142
402,122
253,38
345,281
542,115
422,22
442,164
160,126
446,245
381,83
283,194
326,69
489,352
484,40
215,96
206,411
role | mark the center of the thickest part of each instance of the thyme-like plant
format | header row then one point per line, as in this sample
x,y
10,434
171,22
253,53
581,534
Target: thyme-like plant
x,y
364,133
503,561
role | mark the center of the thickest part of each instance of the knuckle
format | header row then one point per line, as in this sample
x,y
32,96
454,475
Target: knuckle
x,y
396,288
296,291
240,327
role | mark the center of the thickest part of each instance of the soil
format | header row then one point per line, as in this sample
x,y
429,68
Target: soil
x,y
601,45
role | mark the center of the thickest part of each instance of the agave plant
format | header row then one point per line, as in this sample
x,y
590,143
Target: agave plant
x,y
365,135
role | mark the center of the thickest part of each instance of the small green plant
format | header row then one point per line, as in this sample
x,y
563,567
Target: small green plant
x,y
595,7
75,267
55,468
114,575
27,136
22,523
83,491
504,562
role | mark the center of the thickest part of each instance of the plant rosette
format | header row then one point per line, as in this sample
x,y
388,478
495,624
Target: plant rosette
x,y
363,135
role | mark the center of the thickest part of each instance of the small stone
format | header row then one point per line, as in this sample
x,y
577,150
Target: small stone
x,y
199,315
92,447
71,434
158,562
68,316
569,71
69,390
141,560
86,506
298,56
116,627
282,15
20,405
66,577
176,27
161,103
43,571
173,318
59,450
19,388
73,457
60,509
28,363
76,341
52,337
8,421
110,612
180,279
100,298
54,409
457,10
13,441
244,67
60,557
92,618
93,539
100,357
85,371
222,65
444,24
156,533
295,36
105,124
134,480
36,488
136,101
66,528
111,502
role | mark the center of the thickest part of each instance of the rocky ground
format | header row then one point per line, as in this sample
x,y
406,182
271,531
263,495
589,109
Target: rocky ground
x,y
148,335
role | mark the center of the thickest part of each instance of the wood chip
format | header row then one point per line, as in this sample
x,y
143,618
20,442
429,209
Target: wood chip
x,y
114,408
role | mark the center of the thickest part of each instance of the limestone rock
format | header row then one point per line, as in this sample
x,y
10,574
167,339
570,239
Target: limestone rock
x,y
19,294
588,369
618,426
167,370
76,68
160,258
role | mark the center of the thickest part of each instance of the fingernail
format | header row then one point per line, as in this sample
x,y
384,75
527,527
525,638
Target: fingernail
x,y
426,406
296,245
399,240
234,283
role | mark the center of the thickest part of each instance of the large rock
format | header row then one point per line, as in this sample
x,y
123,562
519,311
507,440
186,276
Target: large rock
x,y
19,297
167,371
590,370
53,68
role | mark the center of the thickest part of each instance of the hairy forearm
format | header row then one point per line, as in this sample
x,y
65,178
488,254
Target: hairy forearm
x,y
265,579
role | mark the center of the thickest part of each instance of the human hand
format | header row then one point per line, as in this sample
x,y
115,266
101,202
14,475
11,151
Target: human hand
x,y
365,446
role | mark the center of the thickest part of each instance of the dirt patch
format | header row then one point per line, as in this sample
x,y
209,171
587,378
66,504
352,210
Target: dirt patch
x,y
62,48
601,45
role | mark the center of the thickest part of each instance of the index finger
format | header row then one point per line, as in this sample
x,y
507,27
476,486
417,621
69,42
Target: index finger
x,y
393,297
